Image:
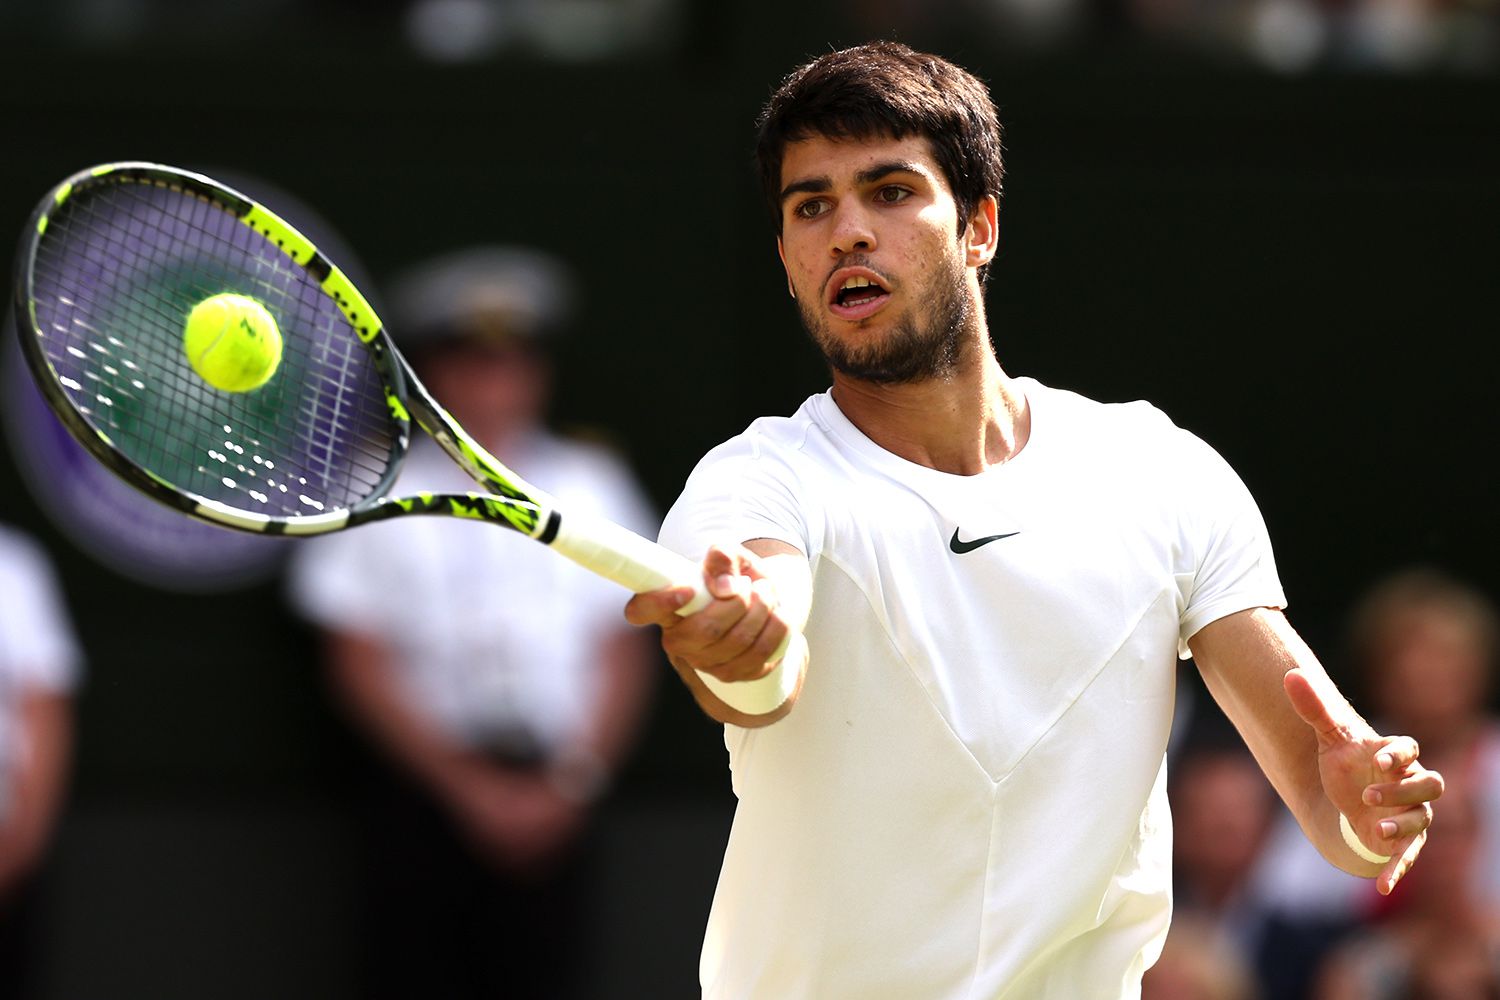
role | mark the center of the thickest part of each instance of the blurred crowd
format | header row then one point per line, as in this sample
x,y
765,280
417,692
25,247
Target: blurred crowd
x,y
1293,36
1283,36
1259,916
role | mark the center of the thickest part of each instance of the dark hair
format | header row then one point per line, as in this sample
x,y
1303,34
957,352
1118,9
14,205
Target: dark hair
x,y
886,88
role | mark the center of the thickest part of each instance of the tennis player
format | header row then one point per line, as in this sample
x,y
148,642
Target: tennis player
x,y
948,601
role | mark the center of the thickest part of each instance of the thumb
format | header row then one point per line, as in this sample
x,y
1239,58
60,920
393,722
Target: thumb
x,y
724,572
1310,705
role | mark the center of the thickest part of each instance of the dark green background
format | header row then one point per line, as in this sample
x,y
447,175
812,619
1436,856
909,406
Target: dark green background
x,y
1303,272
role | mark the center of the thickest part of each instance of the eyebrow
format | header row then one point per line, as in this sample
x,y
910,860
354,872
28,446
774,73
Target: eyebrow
x,y
871,174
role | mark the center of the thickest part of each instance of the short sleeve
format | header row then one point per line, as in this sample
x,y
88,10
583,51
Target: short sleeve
x,y
744,489
37,645
1229,562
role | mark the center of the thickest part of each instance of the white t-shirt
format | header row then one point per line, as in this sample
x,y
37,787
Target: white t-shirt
x,y
968,800
493,634
37,648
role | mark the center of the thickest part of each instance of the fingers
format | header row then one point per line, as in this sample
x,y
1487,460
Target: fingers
x,y
1410,790
755,634
1398,753
733,637
1400,863
1402,825
735,634
657,607
721,565
1401,836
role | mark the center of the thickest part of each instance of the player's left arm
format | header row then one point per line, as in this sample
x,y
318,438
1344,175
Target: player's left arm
x,y
1321,756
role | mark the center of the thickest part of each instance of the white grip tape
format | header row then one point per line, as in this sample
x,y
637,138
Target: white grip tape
x,y
621,555
766,693
1358,846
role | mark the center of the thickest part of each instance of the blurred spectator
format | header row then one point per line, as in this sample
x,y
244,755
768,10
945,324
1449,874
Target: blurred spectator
x,y
1293,36
1425,647
1422,650
1198,963
39,664
500,679
1227,822
1443,943
1222,808
1222,811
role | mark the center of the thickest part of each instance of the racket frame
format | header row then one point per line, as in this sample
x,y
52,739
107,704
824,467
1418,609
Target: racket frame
x,y
595,543
509,500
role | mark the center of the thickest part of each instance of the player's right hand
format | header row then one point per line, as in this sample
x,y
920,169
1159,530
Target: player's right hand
x,y
736,635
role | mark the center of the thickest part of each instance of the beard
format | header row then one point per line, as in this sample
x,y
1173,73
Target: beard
x,y
918,348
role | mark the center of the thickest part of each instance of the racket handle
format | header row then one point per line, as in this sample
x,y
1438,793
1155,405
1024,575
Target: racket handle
x,y
621,555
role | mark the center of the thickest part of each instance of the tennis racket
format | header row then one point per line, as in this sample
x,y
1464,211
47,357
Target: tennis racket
x,y
113,260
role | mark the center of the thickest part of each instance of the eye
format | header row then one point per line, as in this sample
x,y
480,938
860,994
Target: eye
x,y
810,209
892,195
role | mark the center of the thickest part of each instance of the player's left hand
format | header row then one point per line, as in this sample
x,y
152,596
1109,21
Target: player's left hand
x,y
1374,780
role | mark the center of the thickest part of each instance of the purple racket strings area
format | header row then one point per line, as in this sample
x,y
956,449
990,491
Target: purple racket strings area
x,y
119,266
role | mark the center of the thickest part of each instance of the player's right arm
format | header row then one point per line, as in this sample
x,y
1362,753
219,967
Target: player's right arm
x,y
747,640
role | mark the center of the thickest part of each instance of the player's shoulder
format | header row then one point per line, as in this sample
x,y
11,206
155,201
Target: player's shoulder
x,y
1135,414
1135,439
1137,424
771,440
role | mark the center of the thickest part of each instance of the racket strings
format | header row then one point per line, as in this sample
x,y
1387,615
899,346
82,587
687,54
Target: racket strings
x,y
115,274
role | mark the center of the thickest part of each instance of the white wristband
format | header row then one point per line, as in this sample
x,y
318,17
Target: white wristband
x,y
1356,845
766,693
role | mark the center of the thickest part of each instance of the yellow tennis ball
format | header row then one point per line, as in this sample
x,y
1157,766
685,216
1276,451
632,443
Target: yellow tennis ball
x,y
232,342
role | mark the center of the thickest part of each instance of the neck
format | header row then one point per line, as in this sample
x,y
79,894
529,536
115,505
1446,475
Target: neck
x,y
970,420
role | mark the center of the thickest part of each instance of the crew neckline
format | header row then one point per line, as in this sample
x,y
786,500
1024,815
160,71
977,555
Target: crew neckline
x,y
837,423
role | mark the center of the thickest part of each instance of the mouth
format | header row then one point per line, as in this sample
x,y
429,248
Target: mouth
x,y
855,293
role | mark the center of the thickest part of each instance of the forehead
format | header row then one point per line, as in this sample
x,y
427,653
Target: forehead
x,y
840,159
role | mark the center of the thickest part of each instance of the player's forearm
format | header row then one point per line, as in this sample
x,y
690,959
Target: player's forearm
x,y
1243,660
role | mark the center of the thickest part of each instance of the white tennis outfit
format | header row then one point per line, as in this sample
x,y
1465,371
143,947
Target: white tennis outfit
x,y
495,638
969,799
37,648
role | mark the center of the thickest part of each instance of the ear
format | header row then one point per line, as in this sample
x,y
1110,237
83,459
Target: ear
x,y
781,252
982,240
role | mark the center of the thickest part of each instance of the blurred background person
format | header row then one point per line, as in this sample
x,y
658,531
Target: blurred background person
x,y
1443,943
1224,811
39,667
1423,646
1198,962
1222,808
1420,653
502,713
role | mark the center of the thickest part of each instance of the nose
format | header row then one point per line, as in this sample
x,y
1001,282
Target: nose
x,y
852,230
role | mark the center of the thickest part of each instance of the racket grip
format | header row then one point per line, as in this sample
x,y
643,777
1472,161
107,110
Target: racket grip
x,y
636,563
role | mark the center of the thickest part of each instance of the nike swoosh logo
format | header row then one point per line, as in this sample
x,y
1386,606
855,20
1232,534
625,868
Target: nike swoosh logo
x,y
958,545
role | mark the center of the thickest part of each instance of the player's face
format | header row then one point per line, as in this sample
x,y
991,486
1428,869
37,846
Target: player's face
x,y
874,258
